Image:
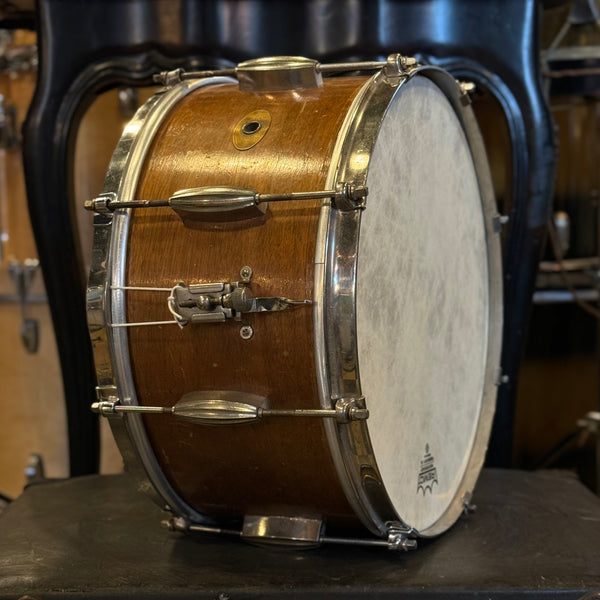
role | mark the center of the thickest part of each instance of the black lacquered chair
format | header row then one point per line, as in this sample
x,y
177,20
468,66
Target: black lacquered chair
x,y
89,47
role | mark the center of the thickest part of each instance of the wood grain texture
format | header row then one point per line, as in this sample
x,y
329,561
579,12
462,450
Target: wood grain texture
x,y
281,466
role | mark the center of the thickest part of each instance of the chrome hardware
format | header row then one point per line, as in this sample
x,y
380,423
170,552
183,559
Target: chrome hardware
x,y
216,302
103,204
169,78
290,72
498,221
466,87
203,201
246,332
107,393
203,302
212,302
246,274
468,506
296,531
22,275
216,203
223,407
107,400
250,129
401,537
34,470
397,65
499,378
277,73
113,407
184,526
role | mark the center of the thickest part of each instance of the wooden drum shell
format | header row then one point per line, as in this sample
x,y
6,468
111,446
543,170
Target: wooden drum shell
x,y
268,467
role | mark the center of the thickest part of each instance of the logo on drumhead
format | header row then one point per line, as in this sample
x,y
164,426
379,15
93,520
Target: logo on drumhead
x,y
427,474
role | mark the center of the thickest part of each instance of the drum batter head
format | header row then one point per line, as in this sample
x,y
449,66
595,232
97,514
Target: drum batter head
x,y
422,303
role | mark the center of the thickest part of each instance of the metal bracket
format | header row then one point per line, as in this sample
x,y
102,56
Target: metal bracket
x,y
499,378
107,400
217,302
498,221
398,65
467,502
466,89
213,302
401,537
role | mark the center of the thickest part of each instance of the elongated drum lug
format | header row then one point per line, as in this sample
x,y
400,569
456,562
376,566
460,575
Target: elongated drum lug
x,y
276,73
219,407
216,204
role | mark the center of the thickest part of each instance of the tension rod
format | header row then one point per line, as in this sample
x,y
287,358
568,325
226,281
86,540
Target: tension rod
x,y
227,199
215,408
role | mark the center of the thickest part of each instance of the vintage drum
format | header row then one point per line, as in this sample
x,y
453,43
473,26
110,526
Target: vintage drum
x,y
295,301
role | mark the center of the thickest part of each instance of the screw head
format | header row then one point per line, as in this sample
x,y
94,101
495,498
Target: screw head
x,y
246,332
246,274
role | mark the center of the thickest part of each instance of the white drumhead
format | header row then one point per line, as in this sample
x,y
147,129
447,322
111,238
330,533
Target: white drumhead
x,y
422,303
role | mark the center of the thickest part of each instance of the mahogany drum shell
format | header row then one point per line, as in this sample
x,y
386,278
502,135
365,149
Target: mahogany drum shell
x,y
278,466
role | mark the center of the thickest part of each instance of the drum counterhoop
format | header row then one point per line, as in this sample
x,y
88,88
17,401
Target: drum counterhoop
x,y
361,210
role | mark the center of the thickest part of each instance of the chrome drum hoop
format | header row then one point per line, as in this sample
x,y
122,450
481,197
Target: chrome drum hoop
x,y
335,303
106,305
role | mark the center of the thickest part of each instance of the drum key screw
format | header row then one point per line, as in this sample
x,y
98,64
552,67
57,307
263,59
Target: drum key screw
x,y
401,537
246,332
468,506
499,377
397,64
467,87
246,274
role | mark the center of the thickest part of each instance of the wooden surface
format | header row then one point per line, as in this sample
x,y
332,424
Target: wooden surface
x,y
534,535
31,395
31,390
268,467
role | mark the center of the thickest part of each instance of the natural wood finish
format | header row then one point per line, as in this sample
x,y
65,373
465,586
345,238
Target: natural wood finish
x,y
31,400
281,466
31,393
17,238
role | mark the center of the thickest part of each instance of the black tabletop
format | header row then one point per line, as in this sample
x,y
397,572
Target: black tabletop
x,y
533,535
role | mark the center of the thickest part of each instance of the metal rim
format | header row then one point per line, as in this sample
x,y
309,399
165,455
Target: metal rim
x,y
335,304
107,305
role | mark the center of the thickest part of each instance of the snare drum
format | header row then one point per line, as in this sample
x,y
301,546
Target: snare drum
x,y
295,301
